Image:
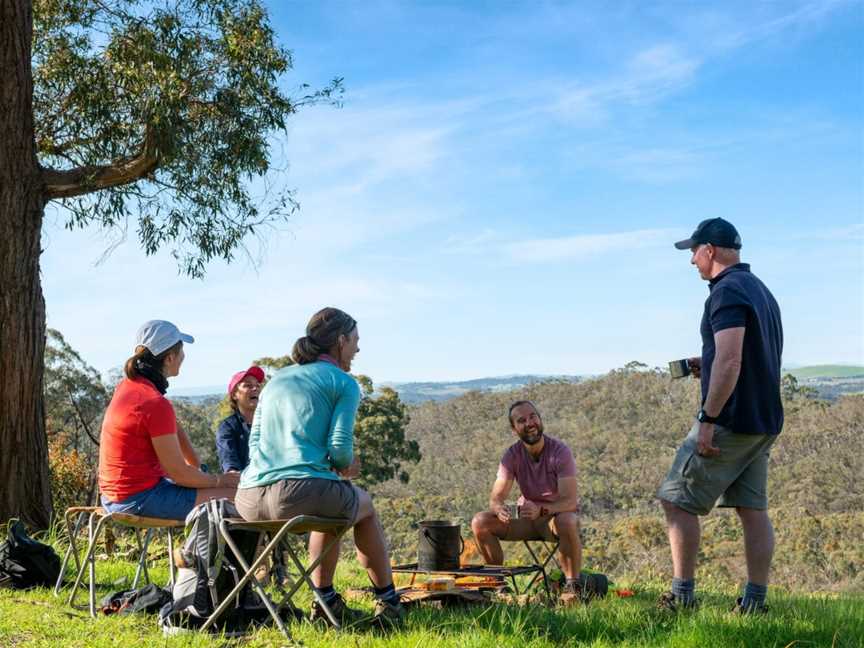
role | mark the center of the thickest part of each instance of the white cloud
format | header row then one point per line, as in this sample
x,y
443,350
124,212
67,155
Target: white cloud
x,y
649,75
585,245
547,250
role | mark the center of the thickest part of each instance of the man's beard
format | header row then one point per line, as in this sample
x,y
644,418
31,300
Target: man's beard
x,y
532,438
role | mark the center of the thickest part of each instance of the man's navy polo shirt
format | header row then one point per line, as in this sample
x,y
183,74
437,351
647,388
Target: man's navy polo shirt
x,y
232,443
738,298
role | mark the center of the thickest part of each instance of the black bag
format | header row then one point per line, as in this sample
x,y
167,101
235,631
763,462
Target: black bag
x,y
148,599
27,562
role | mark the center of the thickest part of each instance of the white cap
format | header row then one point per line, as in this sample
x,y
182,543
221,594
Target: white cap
x,y
159,336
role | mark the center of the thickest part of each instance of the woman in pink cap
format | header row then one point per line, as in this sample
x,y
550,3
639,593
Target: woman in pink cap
x,y
232,438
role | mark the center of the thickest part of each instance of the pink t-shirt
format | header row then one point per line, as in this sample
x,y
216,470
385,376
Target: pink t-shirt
x,y
538,480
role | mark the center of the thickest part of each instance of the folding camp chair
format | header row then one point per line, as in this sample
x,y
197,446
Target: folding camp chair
x,y
277,530
101,517
542,557
81,514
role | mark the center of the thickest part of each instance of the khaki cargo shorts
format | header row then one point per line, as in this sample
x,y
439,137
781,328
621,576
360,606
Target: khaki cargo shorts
x,y
738,476
537,529
286,498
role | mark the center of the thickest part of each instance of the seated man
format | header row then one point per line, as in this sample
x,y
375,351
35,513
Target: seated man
x,y
549,506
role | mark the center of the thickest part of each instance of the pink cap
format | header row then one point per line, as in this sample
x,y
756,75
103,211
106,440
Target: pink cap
x,y
255,372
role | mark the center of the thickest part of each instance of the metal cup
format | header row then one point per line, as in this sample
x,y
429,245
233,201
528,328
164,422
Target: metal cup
x,y
679,368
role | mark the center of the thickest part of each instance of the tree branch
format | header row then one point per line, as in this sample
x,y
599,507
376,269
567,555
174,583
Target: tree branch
x,y
81,417
89,178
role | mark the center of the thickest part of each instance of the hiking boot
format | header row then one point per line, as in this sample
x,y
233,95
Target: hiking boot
x,y
669,603
572,594
388,614
346,616
752,609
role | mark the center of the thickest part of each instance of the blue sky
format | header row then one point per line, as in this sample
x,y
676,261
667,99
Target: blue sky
x,y
501,190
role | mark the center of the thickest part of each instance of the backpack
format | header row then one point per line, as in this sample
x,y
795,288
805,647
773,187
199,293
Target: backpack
x,y
211,571
27,562
148,599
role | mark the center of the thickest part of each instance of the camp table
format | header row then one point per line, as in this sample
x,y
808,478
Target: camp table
x,y
493,571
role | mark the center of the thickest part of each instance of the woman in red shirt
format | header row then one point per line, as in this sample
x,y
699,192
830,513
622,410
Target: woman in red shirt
x,y
147,465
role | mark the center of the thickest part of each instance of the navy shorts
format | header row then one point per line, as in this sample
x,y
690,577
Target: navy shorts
x,y
165,500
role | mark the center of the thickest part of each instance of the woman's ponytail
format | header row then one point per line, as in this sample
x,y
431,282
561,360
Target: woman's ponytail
x,y
322,334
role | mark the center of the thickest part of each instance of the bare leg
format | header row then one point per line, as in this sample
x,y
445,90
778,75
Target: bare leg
x,y
566,527
323,574
758,543
488,530
684,537
206,494
369,539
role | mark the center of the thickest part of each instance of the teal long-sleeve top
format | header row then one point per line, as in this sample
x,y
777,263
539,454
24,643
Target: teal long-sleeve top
x,y
303,425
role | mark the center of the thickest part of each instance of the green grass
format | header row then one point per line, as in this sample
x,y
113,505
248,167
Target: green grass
x,y
37,618
827,371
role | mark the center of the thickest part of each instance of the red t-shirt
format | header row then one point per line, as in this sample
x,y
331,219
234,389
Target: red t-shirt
x,y
127,461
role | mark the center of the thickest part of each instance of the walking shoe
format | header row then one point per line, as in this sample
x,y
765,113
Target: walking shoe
x,y
346,616
669,603
752,609
388,614
572,594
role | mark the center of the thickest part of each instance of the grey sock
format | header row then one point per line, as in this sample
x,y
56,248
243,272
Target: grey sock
x,y
684,590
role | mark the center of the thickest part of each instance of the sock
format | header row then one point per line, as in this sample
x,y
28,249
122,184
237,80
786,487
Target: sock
x,y
327,593
684,590
579,582
387,594
754,596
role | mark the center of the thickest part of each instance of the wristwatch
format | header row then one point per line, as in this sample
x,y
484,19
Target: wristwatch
x,y
703,417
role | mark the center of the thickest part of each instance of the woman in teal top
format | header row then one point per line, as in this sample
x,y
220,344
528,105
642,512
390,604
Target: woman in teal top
x,y
301,458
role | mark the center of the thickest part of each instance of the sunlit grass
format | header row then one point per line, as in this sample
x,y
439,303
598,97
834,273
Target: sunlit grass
x,y
37,618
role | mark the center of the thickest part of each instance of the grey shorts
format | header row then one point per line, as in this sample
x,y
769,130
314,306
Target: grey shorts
x,y
738,476
286,498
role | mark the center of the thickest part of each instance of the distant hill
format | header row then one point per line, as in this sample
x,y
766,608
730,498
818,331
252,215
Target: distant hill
x,y
827,371
419,392
828,380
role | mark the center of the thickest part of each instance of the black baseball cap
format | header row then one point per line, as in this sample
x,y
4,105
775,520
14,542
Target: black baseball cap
x,y
715,231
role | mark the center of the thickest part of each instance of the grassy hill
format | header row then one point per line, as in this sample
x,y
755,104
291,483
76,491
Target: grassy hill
x,y
418,392
827,371
624,429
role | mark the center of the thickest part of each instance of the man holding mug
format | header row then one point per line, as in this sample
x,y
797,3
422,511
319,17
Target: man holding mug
x,y
725,456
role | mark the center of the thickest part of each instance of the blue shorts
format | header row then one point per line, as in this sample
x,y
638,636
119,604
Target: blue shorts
x,y
165,500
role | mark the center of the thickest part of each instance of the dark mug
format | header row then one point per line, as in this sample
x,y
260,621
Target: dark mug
x,y
679,368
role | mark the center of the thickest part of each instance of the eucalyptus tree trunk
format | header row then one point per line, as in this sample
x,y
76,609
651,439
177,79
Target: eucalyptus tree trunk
x,y
24,483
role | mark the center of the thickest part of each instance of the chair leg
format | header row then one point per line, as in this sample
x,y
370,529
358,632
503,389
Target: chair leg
x,y
142,557
541,564
248,575
305,577
89,563
72,549
171,576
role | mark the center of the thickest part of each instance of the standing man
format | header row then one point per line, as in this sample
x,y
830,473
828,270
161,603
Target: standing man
x,y
725,456
545,470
